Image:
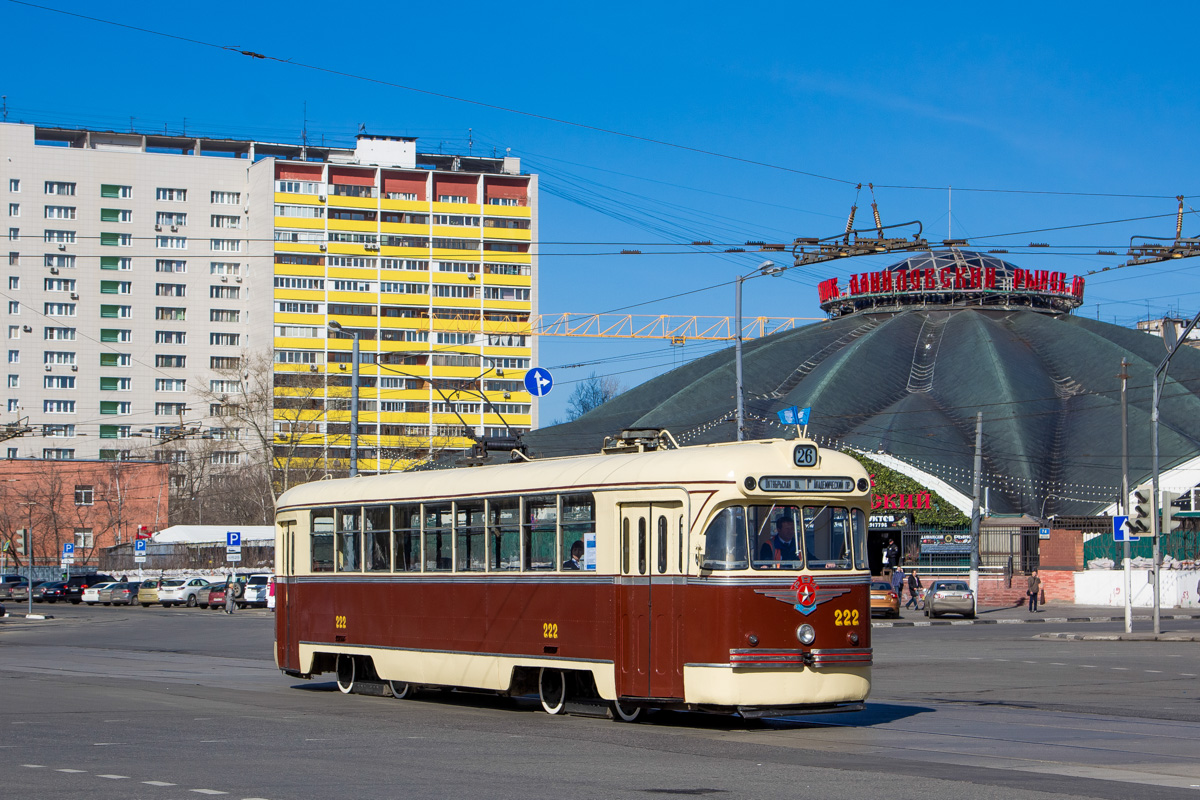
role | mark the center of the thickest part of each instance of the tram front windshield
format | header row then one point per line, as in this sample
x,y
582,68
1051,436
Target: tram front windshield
x,y
779,537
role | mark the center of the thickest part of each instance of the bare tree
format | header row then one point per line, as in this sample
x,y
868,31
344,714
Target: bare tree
x,y
592,392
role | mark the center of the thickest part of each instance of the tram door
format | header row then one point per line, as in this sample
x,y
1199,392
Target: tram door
x,y
648,616
285,565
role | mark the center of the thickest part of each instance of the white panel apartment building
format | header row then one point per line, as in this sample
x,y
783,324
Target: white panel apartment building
x,y
141,268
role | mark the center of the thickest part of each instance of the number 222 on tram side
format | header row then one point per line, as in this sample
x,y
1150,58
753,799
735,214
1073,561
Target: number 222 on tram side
x,y
727,578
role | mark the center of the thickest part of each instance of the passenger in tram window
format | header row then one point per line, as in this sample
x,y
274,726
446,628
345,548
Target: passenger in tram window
x,y
576,559
782,546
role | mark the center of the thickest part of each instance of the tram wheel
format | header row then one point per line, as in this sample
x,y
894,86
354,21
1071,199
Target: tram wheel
x,y
624,714
552,690
400,689
345,671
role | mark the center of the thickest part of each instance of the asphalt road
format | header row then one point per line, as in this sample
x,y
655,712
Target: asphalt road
x,y
166,704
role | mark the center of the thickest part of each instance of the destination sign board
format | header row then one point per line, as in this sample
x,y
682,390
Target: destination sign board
x,y
782,484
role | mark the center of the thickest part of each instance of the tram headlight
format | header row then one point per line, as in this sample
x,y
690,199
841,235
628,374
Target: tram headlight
x,y
806,634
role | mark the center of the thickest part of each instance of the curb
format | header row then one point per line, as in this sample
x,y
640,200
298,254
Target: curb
x,y
29,616
1035,621
1121,637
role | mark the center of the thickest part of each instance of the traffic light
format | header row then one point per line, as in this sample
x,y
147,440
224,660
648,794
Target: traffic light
x,y
1169,522
1140,509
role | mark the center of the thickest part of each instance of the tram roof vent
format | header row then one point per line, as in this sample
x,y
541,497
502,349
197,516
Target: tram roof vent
x,y
640,440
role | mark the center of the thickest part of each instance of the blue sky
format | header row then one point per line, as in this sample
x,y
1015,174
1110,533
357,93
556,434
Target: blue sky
x,y
1048,98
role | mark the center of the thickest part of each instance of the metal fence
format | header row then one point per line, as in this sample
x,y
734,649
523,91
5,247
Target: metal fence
x,y
206,557
1000,548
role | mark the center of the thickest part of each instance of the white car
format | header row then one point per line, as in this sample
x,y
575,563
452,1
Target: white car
x,y
180,591
91,595
257,589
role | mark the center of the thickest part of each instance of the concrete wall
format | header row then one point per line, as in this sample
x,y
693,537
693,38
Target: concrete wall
x,y
1106,587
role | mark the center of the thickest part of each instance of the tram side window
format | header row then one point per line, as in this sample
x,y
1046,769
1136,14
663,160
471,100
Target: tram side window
x,y
662,545
773,532
408,538
322,540
859,519
377,538
827,537
349,539
504,527
725,540
578,529
469,530
438,538
541,528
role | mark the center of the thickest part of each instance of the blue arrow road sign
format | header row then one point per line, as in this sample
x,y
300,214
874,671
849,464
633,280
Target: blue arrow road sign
x,y
1119,531
68,549
139,546
233,538
539,382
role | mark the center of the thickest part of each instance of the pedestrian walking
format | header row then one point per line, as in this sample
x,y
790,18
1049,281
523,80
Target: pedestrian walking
x,y
914,586
1033,589
230,599
898,581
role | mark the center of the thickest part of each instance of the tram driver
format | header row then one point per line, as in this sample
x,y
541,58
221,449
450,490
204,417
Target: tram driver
x,y
576,559
782,545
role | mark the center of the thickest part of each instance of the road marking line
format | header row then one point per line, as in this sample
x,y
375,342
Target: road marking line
x,y
159,783
212,741
104,744
206,791
114,777
70,770
1154,670
999,659
1057,664
1028,662
34,766
1123,669
1088,666
1188,674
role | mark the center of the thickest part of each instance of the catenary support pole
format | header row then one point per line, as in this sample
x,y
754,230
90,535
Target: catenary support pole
x,y
1125,495
737,352
975,506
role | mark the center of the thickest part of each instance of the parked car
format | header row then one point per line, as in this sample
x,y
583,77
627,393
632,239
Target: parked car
x,y
77,583
91,594
39,590
203,594
216,596
51,592
255,593
9,584
180,591
123,594
884,600
148,591
949,597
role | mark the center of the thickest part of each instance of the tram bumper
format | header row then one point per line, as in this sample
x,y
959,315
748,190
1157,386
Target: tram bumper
x,y
761,682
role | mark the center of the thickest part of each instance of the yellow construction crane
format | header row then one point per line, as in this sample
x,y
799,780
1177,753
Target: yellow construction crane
x,y
678,329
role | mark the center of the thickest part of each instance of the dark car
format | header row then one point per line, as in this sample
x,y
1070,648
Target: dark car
x,y
124,594
77,583
52,592
14,589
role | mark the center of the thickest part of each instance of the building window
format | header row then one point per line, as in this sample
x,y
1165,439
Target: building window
x,y
453,198
59,212
170,361
14,356
172,218
58,431
112,384
115,287
12,451
224,268
14,405
116,407
225,198
291,307
58,406
14,307
224,362
226,457
14,234
115,312
59,237
115,190
224,339
14,259
224,292
14,184
115,359
58,381
58,334
84,495
225,387
226,245
115,431
58,453
309,212
59,309
223,221
170,385
59,284
171,195
64,357
114,262
224,315
14,331
116,335
172,314
116,215
84,539
14,209
298,187
116,239
170,289
14,381
60,187
170,409
170,337
170,242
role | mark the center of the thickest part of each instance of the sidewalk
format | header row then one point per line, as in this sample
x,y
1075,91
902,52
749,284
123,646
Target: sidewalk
x,y
1058,613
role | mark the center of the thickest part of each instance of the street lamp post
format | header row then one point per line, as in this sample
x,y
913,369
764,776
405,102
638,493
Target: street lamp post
x,y
765,268
337,327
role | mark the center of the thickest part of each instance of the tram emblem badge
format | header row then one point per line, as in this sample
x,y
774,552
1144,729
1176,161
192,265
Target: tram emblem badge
x,y
804,595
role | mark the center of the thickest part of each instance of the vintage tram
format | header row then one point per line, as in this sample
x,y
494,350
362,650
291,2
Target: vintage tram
x,y
729,578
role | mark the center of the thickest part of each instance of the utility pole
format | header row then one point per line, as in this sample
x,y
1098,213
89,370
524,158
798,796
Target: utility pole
x,y
975,506
765,268
1125,494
